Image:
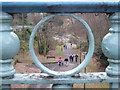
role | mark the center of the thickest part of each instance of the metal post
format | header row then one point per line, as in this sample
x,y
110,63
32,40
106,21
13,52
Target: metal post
x,y
111,48
80,54
9,47
84,72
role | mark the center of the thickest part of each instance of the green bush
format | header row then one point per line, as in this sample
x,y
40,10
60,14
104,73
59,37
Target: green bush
x,y
24,36
101,57
41,49
103,60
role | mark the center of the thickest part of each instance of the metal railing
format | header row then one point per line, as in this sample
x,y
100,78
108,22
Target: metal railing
x,y
110,44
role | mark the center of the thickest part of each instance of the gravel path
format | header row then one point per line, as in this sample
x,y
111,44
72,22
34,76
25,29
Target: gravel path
x,y
67,52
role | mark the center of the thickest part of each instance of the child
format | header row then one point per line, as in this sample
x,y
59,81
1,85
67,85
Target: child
x,y
60,61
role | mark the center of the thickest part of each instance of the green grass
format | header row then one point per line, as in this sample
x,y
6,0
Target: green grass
x,y
28,58
24,58
59,51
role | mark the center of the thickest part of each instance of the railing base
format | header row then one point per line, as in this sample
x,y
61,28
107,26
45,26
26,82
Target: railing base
x,y
41,78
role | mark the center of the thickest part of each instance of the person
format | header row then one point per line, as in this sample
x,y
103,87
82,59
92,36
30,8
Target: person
x,y
60,61
76,57
66,46
70,57
66,61
71,44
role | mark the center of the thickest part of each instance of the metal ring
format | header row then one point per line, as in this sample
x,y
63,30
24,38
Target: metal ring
x,y
76,69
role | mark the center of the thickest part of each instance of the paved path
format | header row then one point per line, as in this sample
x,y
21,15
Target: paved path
x,y
67,52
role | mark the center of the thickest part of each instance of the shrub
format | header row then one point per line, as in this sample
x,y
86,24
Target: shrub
x,y
101,57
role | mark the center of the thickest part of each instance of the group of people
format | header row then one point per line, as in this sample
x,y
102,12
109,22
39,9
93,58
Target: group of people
x,y
71,58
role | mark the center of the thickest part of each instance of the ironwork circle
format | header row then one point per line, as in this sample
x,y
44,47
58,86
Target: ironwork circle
x,y
66,73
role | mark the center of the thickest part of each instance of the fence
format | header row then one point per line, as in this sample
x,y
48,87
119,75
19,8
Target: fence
x,y
110,44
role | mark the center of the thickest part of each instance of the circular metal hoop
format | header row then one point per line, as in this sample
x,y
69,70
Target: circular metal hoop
x,y
66,73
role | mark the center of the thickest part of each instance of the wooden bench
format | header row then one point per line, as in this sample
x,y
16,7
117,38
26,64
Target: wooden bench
x,y
50,57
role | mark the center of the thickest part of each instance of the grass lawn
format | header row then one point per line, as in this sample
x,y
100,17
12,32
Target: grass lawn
x,y
28,58
24,58
59,51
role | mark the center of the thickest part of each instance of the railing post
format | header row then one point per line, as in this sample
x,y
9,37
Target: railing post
x,y
111,48
9,47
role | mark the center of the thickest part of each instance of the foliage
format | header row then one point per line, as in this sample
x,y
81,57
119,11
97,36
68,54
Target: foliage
x,y
59,50
24,38
20,19
98,52
84,46
103,60
43,46
73,40
101,57
41,49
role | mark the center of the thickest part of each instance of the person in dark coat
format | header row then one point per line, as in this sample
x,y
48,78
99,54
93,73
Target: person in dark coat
x,y
70,58
76,57
66,46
